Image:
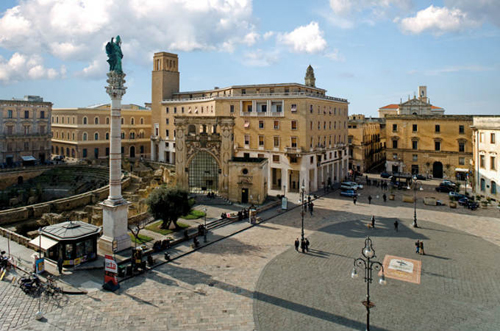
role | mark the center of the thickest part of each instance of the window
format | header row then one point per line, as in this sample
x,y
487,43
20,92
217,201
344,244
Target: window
x,y
96,136
293,108
42,130
175,110
311,109
231,108
84,136
481,137
26,114
414,144
276,125
461,160
167,133
394,144
107,120
26,146
132,121
142,120
243,91
415,158
294,125
167,121
276,142
123,121
483,184
167,110
249,108
493,161
461,147
481,161
84,152
96,120
276,158
493,187
107,135
492,138
437,145
9,113
132,135
107,151
261,140
294,142
394,156
247,139
461,129
42,114
84,120
293,159
437,128
261,124
311,160
414,127
394,127
10,129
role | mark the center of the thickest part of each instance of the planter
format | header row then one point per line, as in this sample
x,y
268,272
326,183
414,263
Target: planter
x,y
453,204
391,196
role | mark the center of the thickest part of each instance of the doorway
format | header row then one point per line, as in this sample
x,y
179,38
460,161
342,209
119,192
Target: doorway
x,y
437,170
132,151
244,195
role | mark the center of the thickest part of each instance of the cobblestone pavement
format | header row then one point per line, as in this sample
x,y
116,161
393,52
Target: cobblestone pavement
x,y
221,286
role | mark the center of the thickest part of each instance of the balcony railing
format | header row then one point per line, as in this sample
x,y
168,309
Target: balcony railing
x,y
293,150
263,114
260,95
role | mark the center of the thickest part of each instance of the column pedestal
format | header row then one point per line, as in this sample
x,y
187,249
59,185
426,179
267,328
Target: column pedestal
x,y
115,236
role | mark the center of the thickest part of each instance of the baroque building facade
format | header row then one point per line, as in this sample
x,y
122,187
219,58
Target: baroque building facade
x,y
300,130
83,133
420,105
25,132
366,142
486,132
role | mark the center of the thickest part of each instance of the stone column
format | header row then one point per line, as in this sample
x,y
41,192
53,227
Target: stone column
x,y
115,236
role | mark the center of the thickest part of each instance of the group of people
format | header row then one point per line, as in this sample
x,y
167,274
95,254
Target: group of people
x,y
309,205
211,195
304,245
419,247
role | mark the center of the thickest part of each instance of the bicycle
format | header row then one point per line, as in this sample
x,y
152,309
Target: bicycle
x,y
52,290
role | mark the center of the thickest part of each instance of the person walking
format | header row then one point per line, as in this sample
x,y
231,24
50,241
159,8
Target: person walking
x,y
396,224
354,199
60,262
369,199
373,221
384,197
422,252
307,245
417,246
303,245
311,205
297,244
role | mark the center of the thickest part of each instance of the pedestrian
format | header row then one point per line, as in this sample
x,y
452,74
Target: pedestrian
x,y
373,221
422,252
369,199
367,179
307,245
303,245
60,265
384,197
396,224
311,205
297,244
354,199
309,199
417,246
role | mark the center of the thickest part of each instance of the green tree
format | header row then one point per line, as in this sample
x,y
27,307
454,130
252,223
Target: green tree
x,y
168,204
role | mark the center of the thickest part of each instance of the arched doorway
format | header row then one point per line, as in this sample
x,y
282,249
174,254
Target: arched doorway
x,y
132,151
437,170
203,172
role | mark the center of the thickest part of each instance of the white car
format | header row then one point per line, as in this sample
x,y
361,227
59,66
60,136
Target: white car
x,y
351,186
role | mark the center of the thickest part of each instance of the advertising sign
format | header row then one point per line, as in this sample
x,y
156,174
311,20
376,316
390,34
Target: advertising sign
x,y
110,264
39,266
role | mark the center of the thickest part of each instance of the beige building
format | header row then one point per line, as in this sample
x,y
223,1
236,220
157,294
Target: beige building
x,y
83,133
420,105
432,145
300,130
486,132
25,131
366,148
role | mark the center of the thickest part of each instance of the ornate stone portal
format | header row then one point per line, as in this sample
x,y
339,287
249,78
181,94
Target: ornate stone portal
x,y
115,237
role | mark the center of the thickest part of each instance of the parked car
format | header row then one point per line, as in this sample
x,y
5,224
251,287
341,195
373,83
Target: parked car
x,y
421,177
445,188
463,201
449,183
348,193
472,205
385,175
456,195
351,185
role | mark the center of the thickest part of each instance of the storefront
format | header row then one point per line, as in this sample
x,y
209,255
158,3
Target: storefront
x,y
75,242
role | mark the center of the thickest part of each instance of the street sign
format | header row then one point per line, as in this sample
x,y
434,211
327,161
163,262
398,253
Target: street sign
x,y
110,264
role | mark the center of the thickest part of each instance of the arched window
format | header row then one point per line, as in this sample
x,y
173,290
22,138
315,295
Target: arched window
x,y
96,136
483,184
62,135
96,120
85,120
142,120
73,137
123,135
57,119
141,148
141,134
107,120
57,149
107,135
132,135
132,121
68,135
67,151
493,187
123,121
85,136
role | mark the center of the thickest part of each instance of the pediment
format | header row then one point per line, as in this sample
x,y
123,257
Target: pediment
x,y
414,102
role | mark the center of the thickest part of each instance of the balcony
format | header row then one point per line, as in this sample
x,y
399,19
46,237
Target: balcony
x,y
293,150
262,114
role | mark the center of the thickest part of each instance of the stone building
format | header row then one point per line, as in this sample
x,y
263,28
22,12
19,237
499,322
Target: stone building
x,y
420,105
25,131
83,133
433,145
300,130
486,132
366,145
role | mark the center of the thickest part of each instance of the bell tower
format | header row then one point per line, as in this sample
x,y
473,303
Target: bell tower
x,y
309,79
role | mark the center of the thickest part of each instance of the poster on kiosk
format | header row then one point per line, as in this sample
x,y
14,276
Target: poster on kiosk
x,y
110,271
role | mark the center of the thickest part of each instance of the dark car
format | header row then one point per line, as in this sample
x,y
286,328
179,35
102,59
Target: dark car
x,y
472,205
456,195
385,175
463,201
445,188
348,193
421,177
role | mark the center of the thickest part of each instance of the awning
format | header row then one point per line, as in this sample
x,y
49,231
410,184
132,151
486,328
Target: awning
x,y
28,158
46,242
461,170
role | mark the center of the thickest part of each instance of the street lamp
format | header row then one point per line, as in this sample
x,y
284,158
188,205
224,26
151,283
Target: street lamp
x,y
205,228
369,253
303,210
417,185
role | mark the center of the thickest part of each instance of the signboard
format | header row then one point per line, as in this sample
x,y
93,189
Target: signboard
x,y
110,264
284,203
401,268
39,266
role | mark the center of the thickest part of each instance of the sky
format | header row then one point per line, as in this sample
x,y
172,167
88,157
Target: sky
x,y
371,52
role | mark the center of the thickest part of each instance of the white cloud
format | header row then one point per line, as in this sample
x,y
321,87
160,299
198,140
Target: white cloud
x,y
480,10
22,67
268,35
304,39
260,58
437,20
335,56
78,29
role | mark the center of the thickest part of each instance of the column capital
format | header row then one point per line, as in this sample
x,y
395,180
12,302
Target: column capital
x,y
116,88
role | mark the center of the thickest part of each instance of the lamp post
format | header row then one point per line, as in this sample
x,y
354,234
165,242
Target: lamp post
x,y
417,185
39,313
205,227
369,265
303,209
